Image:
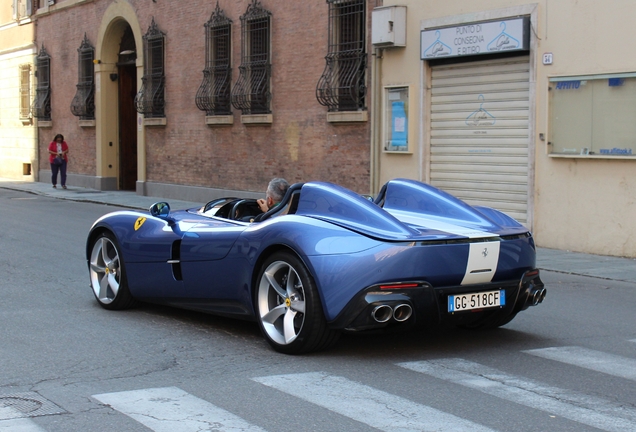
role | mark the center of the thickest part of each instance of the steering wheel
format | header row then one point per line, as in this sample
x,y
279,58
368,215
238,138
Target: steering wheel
x,y
235,213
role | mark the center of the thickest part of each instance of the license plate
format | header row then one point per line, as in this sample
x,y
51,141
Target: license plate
x,y
488,299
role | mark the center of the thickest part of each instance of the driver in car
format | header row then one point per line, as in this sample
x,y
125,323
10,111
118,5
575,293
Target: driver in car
x,y
276,190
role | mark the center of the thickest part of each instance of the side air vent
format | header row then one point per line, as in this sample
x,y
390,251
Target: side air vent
x,y
175,260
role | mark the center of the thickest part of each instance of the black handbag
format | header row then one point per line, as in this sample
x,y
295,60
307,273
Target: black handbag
x,y
58,161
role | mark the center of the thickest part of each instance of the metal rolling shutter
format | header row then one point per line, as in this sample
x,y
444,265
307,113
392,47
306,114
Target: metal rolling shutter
x,y
479,133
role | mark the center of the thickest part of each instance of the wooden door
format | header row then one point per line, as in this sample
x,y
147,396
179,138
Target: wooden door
x,y
127,127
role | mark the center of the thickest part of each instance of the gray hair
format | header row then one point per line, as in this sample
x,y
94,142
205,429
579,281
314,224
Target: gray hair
x,y
277,189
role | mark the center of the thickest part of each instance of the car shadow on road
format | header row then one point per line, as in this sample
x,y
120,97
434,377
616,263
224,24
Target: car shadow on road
x,y
435,341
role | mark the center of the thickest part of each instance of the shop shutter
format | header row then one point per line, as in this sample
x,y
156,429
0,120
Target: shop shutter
x,y
479,133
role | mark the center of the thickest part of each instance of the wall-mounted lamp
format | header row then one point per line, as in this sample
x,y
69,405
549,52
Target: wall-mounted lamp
x,y
127,52
97,61
113,77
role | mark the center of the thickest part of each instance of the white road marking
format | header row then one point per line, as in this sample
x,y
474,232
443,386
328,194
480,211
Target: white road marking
x,y
589,410
14,420
20,425
367,405
610,364
7,413
171,409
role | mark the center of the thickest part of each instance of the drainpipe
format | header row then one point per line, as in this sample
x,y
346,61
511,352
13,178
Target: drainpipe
x,y
376,121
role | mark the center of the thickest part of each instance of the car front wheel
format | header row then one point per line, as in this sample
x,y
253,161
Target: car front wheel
x,y
107,273
288,307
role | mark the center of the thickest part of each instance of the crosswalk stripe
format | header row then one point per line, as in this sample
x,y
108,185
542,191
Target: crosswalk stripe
x,y
589,359
13,420
367,405
20,425
170,409
578,407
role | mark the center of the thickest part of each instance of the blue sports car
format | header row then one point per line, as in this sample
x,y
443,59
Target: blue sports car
x,y
324,261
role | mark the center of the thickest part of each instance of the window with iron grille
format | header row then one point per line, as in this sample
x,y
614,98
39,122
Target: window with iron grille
x,y
25,91
150,101
213,95
41,108
251,93
342,84
83,104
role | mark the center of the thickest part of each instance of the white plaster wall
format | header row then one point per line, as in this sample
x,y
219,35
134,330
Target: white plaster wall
x,y
18,143
585,205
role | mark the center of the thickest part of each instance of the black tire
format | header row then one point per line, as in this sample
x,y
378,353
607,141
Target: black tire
x,y
288,308
108,274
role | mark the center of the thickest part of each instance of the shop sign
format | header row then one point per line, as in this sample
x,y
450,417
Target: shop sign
x,y
476,38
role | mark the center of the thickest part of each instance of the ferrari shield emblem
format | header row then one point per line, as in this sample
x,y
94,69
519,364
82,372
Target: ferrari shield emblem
x,y
139,222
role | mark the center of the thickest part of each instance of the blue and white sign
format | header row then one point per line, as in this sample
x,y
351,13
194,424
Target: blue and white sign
x,y
476,38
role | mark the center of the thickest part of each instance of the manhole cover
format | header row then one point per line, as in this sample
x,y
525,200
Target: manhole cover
x,y
24,405
28,404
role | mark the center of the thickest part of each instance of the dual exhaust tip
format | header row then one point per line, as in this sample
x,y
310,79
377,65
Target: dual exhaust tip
x,y
399,313
538,296
403,311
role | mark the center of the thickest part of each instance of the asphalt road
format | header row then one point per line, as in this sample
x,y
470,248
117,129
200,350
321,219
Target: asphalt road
x,y
68,365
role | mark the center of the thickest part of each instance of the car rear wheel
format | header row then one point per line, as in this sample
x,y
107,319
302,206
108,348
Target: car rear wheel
x,y
108,275
288,307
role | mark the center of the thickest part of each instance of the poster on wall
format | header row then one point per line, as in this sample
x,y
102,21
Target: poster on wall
x,y
396,130
399,122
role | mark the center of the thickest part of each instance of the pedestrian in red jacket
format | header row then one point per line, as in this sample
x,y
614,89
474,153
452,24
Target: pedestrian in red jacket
x,y
58,157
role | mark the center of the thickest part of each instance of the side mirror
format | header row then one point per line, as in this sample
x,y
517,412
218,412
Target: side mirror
x,y
160,210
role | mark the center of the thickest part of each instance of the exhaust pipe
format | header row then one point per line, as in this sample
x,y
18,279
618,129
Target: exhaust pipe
x,y
382,313
542,296
402,312
538,296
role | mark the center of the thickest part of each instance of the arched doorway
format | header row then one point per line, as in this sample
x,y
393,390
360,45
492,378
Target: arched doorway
x,y
127,89
120,137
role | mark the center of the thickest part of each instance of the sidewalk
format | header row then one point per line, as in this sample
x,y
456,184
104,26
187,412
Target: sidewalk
x,y
605,267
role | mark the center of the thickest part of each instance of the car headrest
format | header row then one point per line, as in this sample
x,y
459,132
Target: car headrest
x,y
379,200
288,204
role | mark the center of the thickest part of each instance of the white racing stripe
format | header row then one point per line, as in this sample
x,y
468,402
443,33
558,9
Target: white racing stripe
x,y
171,409
578,407
367,405
483,257
482,262
589,359
439,225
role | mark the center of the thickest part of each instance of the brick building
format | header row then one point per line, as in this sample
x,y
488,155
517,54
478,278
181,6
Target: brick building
x,y
177,98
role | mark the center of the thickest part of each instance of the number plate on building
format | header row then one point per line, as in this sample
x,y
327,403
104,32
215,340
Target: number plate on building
x,y
464,302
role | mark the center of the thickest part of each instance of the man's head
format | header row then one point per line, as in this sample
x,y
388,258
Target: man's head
x,y
276,191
